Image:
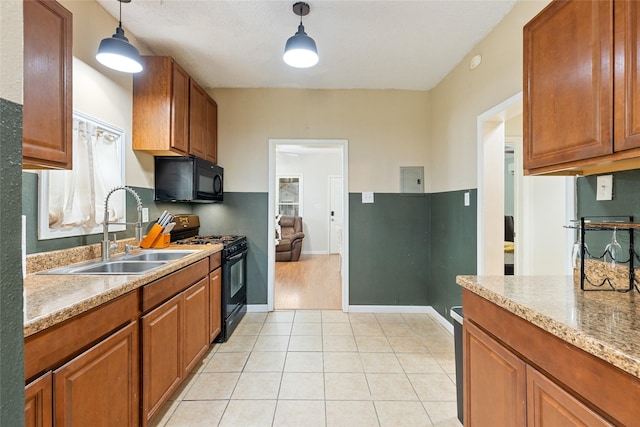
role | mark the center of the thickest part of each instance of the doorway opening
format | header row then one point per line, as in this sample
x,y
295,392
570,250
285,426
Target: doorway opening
x,y
308,187
542,205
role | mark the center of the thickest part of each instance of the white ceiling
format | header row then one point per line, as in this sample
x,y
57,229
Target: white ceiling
x,y
362,44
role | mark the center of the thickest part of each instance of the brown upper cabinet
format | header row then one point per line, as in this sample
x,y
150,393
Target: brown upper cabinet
x,y
47,104
212,131
170,111
197,120
161,107
581,88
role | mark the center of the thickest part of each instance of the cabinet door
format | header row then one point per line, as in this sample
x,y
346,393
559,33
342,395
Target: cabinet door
x,y
211,141
549,406
627,75
180,109
197,120
161,355
215,308
47,96
100,387
161,107
38,406
196,323
568,83
494,382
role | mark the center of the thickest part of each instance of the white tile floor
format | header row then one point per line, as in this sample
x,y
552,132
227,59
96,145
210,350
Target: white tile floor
x,y
323,368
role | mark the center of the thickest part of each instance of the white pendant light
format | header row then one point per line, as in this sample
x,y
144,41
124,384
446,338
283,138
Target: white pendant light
x,y
300,50
117,53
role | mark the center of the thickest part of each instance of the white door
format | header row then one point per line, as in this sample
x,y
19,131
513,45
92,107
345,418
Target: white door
x,y
335,214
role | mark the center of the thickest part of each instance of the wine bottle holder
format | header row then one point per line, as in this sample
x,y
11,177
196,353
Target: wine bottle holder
x,y
600,272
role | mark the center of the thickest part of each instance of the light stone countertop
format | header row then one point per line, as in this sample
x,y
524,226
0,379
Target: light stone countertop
x,y
52,299
605,324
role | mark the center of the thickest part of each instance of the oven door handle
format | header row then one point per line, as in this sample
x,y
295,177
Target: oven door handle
x,y
237,256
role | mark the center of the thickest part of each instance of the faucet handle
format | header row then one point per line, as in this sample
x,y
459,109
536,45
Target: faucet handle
x,y
113,246
128,248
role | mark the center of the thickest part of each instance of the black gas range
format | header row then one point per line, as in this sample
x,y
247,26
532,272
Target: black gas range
x,y
186,232
232,243
234,268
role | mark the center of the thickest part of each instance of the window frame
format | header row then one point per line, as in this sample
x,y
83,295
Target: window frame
x,y
299,203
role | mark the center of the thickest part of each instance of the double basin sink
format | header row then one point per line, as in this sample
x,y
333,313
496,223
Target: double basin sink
x,y
139,263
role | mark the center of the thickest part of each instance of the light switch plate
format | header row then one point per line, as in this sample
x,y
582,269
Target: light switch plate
x,y
367,197
604,187
467,199
145,214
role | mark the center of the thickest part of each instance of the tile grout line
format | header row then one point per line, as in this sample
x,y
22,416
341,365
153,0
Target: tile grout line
x,y
323,351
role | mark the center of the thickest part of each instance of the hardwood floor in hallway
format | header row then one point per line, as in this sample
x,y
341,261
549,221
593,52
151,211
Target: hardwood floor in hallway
x,y
312,283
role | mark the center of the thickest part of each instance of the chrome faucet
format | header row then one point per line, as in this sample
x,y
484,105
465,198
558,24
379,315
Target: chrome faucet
x,y
106,244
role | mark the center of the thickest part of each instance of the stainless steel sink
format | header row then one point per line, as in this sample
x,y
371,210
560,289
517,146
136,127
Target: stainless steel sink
x,y
130,264
119,267
161,255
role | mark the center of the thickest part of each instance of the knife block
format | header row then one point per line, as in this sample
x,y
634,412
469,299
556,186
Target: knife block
x,y
155,238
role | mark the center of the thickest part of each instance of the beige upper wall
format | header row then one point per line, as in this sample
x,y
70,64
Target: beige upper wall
x,y
386,129
513,126
11,44
465,94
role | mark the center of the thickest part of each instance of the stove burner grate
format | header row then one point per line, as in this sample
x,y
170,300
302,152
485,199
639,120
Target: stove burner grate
x,y
209,240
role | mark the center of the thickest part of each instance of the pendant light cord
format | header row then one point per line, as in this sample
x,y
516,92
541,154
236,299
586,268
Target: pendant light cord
x,y
120,15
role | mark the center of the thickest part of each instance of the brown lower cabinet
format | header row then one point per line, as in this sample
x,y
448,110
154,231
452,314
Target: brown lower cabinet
x,y
161,355
98,387
155,336
215,295
196,324
495,392
215,300
517,374
504,391
548,405
175,336
38,407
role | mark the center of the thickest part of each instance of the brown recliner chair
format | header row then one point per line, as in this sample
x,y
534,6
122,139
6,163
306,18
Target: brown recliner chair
x,y
290,245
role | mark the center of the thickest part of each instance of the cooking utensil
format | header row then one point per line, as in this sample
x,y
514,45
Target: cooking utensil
x,y
165,219
167,229
162,218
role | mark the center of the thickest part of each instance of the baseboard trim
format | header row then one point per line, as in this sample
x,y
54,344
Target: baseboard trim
x,y
417,309
315,253
257,308
390,309
421,309
441,320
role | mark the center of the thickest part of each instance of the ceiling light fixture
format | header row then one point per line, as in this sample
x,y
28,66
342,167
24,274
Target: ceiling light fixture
x,y
300,50
117,53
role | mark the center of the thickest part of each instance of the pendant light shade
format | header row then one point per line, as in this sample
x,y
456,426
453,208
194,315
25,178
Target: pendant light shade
x,y
117,53
300,50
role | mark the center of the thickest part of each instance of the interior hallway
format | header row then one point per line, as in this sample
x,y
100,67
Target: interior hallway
x,y
311,283
323,368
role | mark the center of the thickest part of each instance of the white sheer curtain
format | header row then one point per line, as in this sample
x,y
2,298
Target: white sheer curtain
x,y
76,196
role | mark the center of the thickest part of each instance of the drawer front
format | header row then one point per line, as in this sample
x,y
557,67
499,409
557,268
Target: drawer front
x,y
161,290
215,261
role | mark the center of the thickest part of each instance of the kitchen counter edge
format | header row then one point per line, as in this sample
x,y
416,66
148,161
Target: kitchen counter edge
x,y
52,299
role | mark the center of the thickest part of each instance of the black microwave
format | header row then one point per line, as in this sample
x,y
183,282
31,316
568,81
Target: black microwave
x,y
187,179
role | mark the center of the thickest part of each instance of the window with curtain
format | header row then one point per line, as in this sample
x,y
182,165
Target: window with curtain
x,y
71,202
